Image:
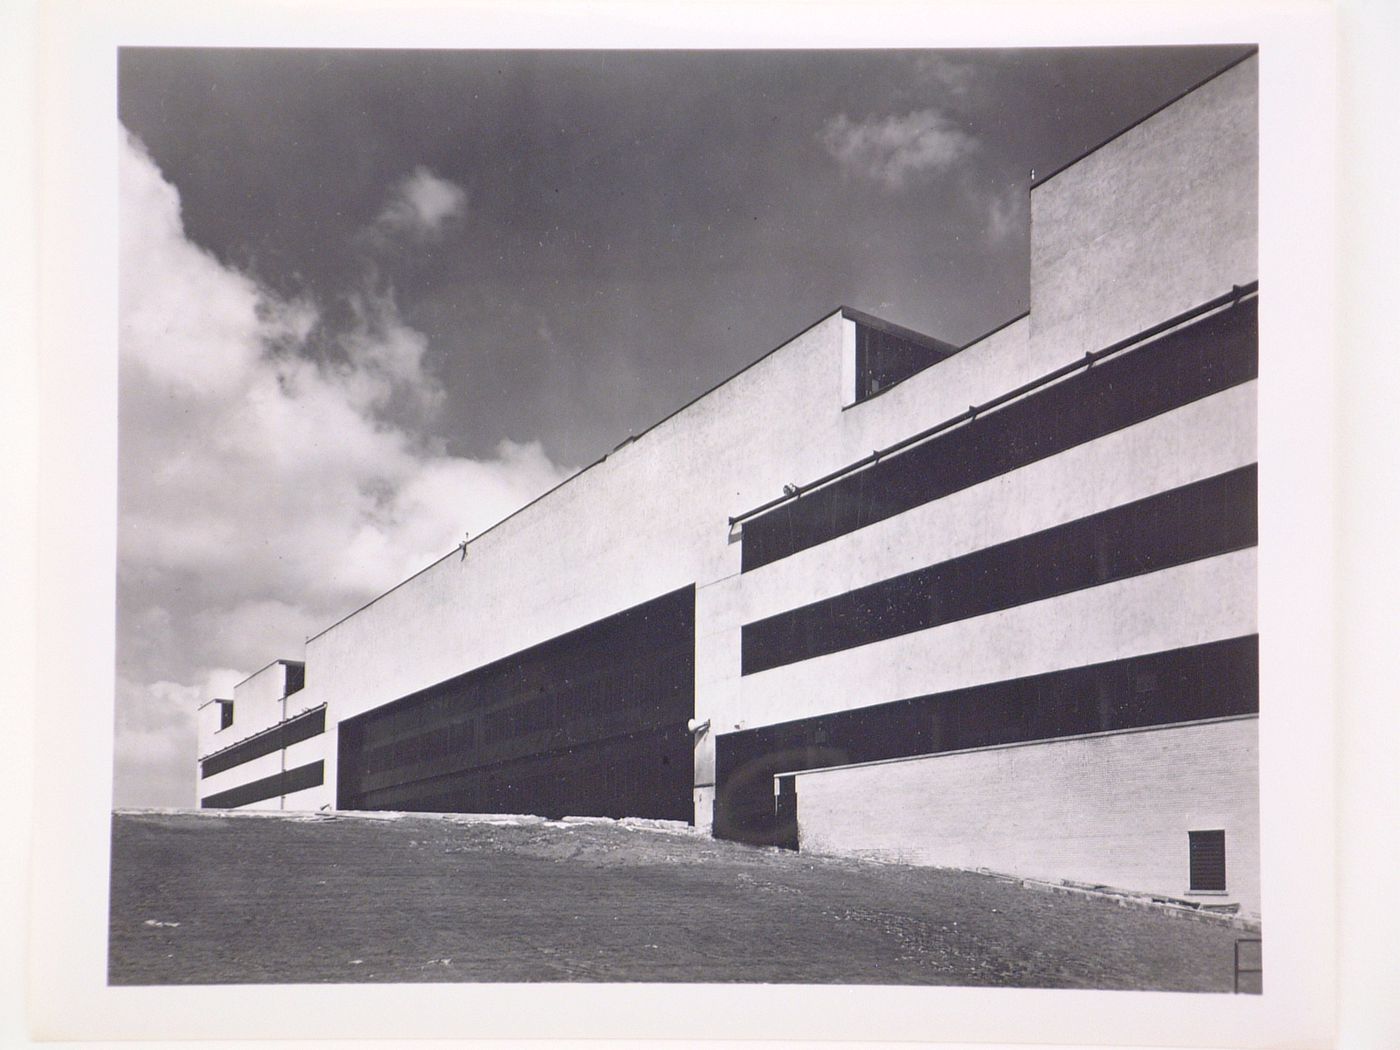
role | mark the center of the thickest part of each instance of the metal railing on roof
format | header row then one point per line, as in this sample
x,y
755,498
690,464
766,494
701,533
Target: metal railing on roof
x,y
792,492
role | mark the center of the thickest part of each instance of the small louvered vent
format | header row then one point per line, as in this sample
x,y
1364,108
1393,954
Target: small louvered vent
x,y
1207,861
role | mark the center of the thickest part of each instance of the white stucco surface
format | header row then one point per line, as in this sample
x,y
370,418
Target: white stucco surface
x,y
258,702
260,705
243,773
1161,218
1155,222
1113,808
1197,441
209,729
1202,601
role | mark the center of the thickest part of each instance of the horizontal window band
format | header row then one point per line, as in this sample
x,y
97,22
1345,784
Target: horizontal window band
x,y
1203,358
313,774
284,734
1199,520
1191,684
615,686
643,774
434,763
1070,738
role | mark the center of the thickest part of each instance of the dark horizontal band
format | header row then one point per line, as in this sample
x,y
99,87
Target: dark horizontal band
x,y
1181,525
620,686
1203,358
646,773
313,774
284,734
1215,680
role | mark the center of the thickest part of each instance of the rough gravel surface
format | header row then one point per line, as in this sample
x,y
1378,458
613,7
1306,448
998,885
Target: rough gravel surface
x,y
202,898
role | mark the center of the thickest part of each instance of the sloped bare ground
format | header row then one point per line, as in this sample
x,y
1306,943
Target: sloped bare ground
x,y
199,898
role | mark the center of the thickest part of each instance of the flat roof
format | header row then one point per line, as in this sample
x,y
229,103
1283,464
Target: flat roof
x,y
1253,50
271,663
855,315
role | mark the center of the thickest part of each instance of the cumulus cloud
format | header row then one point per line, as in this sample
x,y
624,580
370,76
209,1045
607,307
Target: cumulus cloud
x,y
1008,215
946,72
155,737
422,204
264,491
892,150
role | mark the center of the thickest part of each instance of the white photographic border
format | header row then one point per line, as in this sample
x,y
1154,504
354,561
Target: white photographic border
x,y
68,997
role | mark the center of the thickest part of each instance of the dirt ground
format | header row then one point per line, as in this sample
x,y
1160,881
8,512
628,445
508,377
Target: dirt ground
x,y
203,898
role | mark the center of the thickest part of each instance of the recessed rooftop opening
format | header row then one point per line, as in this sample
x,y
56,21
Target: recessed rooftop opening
x,y
886,354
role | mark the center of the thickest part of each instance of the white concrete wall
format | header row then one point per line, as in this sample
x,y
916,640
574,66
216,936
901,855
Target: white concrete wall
x,y
1196,441
261,703
650,518
309,801
244,773
1109,259
306,751
1191,604
1187,605
299,754
1111,808
988,368
331,757
303,753
263,686
257,702
208,727
1161,218
1110,255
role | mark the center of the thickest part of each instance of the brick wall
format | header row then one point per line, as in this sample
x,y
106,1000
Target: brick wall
x,y
1113,808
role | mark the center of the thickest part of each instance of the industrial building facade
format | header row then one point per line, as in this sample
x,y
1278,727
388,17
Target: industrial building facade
x,y
990,606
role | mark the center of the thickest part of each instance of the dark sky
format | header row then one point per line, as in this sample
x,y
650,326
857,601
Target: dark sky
x,y
640,224
372,300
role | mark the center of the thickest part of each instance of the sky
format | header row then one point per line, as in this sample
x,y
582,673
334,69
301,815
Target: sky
x,y
370,301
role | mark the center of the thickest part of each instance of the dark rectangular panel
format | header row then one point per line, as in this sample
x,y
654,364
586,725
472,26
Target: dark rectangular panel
x,y
1185,524
296,676
1200,359
1207,861
647,773
311,775
284,734
591,723
886,356
1214,680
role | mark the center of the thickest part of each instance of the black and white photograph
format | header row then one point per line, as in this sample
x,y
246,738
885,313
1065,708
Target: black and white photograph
x,y
781,517
593,525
